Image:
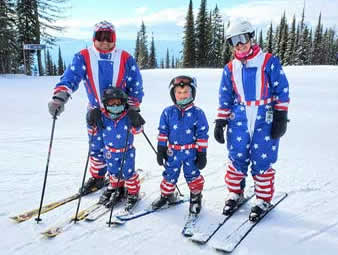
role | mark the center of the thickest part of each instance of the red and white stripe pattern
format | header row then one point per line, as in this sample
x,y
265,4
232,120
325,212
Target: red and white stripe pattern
x,y
281,106
223,113
167,188
196,186
162,138
133,184
63,88
95,166
264,185
115,182
258,102
233,179
133,101
136,131
92,131
183,147
202,144
118,150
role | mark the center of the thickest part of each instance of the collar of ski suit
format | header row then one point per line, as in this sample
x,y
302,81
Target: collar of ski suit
x,y
124,113
253,52
185,108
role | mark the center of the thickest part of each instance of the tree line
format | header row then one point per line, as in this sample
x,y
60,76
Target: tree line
x,y
203,41
29,22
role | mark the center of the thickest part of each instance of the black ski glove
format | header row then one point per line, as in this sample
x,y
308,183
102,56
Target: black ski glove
x,y
219,130
201,160
94,118
135,118
279,123
162,154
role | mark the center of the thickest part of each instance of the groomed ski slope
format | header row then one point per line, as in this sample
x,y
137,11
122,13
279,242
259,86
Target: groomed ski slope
x,y
305,223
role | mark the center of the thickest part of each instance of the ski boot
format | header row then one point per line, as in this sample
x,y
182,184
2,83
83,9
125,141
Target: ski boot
x,y
132,199
258,210
195,203
92,185
116,195
164,200
231,202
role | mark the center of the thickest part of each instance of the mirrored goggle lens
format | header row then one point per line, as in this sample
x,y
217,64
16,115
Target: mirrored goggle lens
x,y
104,36
182,81
237,39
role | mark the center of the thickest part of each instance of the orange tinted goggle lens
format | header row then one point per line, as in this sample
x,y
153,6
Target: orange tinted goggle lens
x,y
182,81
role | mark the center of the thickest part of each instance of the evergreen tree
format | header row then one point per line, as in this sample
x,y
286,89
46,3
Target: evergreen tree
x,y
172,61
49,64
217,45
143,58
152,56
189,43
290,48
167,60
162,63
202,49
8,46
60,69
137,48
317,42
260,40
269,40
283,43
227,51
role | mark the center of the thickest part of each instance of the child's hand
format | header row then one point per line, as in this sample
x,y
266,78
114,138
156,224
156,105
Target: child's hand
x,y
162,154
201,160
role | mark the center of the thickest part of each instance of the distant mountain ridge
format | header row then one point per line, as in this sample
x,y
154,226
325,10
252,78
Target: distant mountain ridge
x,y
69,46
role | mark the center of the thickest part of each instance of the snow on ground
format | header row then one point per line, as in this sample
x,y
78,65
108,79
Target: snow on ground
x,y
306,222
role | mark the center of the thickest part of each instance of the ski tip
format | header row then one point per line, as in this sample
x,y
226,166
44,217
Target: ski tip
x,y
17,219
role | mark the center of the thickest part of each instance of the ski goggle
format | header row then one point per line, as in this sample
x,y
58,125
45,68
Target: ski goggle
x,y
182,81
102,36
239,39
114,102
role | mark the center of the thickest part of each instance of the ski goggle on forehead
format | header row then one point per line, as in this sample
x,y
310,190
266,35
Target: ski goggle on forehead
x,y
104,36
239,39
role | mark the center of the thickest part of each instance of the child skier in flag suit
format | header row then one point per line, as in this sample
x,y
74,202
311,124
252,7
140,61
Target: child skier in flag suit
x,y
182,143
113,138
253,104
100,66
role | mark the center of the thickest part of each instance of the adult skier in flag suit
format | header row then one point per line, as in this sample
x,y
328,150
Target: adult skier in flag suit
x,y
99,67
253,105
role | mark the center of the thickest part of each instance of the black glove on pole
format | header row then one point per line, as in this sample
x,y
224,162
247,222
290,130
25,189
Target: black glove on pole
x,y
219,130
135,118
279,124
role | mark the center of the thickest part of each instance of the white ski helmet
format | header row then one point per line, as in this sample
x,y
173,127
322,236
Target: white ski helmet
x,y
239,27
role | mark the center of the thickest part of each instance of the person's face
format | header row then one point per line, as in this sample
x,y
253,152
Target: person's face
x,y
104,40
104,45
242,48
182,93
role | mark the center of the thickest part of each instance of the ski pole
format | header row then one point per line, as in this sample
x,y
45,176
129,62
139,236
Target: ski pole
x,y
38,219
151,145
83,181
119,177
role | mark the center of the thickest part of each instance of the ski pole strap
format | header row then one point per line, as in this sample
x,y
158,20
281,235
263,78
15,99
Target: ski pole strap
x,y
117,150
183,147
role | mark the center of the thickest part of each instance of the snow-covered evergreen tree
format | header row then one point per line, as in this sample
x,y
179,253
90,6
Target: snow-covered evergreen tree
x,y
202,49
189,42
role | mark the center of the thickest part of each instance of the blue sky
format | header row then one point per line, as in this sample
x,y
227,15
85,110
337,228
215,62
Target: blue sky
x,y
165,19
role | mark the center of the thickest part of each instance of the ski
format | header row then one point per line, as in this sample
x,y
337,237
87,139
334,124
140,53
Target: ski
x,y
188,229
95,215
29,214
202,237
150,210
246,226
62,226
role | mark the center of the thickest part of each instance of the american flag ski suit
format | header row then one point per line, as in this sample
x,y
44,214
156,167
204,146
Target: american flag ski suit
x,y
98,71
184,131
248,94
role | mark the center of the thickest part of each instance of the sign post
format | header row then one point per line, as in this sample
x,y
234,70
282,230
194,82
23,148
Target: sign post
x,y
34,47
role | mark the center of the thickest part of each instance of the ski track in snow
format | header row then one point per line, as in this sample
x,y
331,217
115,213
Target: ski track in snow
x,y
305,223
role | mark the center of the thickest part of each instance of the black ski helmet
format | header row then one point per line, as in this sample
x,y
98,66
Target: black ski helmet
x,y
114,93
181,81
